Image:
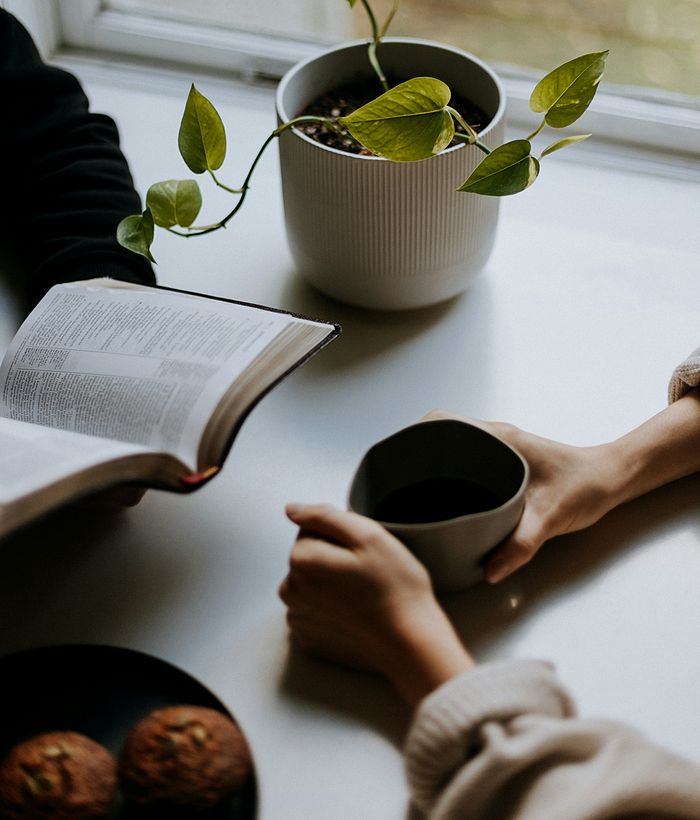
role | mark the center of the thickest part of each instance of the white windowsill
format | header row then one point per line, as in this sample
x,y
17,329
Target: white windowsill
x,y
643,119
120,85
654,150
652,128
600,196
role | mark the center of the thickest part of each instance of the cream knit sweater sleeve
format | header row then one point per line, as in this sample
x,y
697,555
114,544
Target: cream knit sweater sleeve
x,y
501,742
685,377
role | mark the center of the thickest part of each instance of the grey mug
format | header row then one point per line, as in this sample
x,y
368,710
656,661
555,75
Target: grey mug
x,y
452,548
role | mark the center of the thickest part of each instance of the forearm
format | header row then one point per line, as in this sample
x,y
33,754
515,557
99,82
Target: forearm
x,y
663,449
429,653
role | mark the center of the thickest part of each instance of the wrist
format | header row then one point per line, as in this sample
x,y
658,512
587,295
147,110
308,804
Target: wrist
x,y
662,449
428,653
628,465
618,468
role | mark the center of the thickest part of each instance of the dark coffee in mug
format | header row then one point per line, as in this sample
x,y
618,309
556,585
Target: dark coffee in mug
x,y
433,499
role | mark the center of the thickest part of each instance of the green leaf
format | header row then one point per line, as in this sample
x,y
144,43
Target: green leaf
x,y
559,144
407,123
565,93
135,233
507,170
202,137
174,202
352,3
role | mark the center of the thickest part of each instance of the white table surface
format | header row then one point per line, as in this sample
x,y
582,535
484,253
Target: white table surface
x,y
590,299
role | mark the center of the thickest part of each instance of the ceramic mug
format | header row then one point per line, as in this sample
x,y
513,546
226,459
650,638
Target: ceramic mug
x,y
446,488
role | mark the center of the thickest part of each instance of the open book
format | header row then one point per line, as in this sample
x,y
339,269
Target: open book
x,y
108,382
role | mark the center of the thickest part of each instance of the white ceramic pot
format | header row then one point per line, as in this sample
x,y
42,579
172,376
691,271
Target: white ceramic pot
x,y
383,234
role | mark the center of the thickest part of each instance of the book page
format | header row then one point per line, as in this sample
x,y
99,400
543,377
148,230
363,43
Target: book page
x,y
33,456
137,365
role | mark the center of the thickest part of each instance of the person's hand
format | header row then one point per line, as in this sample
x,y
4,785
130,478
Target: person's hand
x,y
570,488
355,595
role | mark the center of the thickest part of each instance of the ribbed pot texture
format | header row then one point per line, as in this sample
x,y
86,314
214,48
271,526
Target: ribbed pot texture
x,y
381,234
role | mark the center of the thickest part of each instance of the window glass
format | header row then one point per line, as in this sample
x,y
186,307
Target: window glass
x,y
653,43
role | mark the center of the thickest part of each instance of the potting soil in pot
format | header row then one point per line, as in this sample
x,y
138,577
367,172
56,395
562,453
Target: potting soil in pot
x,y
348,98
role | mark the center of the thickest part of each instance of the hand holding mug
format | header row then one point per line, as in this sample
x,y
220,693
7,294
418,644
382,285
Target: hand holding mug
x,y
570,488
355,595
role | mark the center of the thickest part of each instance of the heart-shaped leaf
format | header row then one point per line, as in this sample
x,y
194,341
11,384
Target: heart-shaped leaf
x,y
407,123
174,202
565,93
202,137
559,144
507,170
135,233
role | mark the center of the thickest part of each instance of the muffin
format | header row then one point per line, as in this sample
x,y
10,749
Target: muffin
x,y
183,761
57,776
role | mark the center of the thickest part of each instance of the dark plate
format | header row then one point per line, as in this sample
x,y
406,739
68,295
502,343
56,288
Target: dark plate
x,y
100,691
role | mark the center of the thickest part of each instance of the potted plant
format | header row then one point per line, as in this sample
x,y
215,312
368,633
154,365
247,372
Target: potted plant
x,y
392,204
384,233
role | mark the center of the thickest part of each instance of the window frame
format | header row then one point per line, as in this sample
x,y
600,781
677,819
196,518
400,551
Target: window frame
x,y
652,121
86,25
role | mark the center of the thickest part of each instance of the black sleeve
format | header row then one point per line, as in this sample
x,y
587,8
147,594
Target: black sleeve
x,y
66,182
